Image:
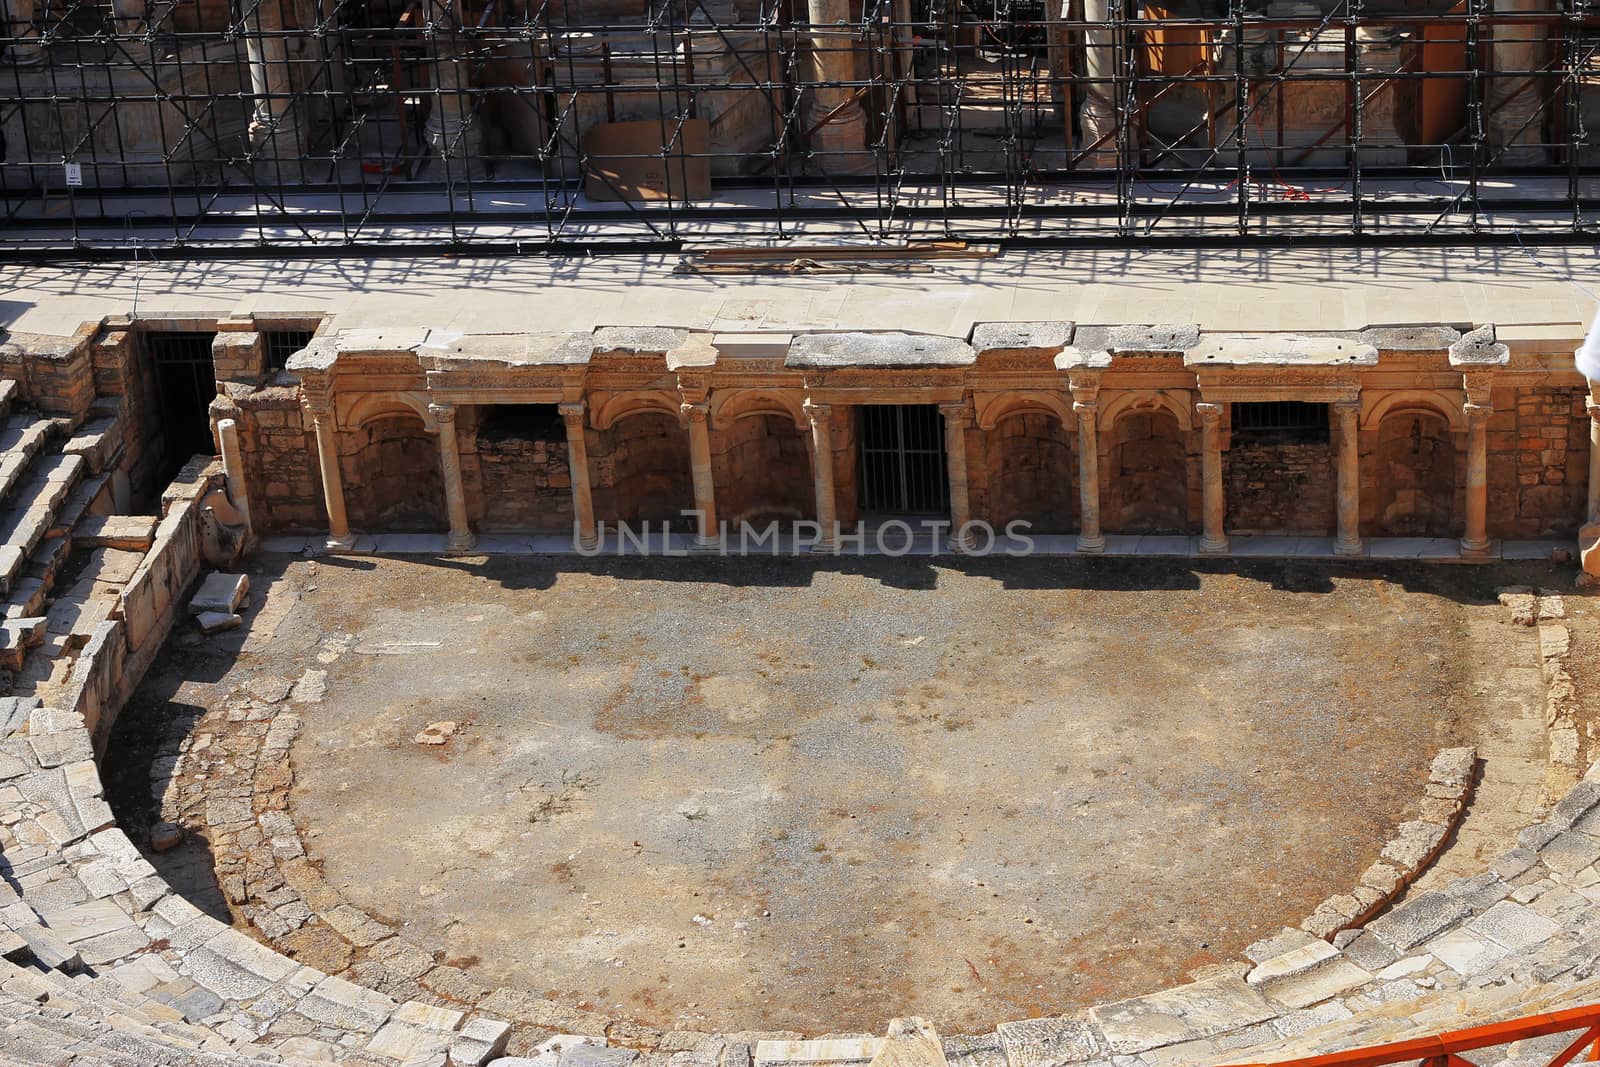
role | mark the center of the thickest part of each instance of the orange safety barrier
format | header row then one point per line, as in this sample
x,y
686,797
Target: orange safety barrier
x,y
1444,1050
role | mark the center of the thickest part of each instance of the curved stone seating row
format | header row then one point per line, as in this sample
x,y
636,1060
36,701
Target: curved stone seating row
x,y
80,899
108,964
1523,934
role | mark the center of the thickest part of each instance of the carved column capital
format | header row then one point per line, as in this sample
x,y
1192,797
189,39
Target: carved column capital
x,y
1084,386
1594,412
817,413
1086,408
1210,414
572,414
696,411
318,407
957,414
1348,407
1477,412
443,410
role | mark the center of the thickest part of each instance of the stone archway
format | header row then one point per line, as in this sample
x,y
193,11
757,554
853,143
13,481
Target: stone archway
x,y
1420,476
393,482
1030,471
761,466
642,471
1145,480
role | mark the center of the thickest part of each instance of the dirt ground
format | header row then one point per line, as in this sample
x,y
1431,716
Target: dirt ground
x,y
724,794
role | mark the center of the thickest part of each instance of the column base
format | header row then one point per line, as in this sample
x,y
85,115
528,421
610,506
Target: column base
x,y
342,543
459,542
1348,548
1213,548
1091,546
1470,547
961,546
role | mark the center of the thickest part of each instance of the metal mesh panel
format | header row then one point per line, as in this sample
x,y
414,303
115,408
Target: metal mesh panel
x,y
239,126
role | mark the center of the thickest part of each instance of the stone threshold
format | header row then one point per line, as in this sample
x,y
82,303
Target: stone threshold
x,y
1240,546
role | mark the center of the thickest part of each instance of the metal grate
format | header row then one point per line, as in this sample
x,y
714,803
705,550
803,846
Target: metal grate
x,y
1281,420
902,460
187,383
281,344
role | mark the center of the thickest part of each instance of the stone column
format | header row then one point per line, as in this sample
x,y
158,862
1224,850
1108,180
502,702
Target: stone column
x,y
578,468
1592,510
1097,117
455,497
842,141
16,22
1476,541
450,130
1589,533
1348,543
1090,539
1514,117
1213,540
269,83
321,411
705,491
957,417
822,471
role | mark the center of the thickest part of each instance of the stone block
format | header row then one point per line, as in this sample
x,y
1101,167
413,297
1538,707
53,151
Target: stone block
x,y
1050,1040
1514,926
480,1040
582,1055
1297,961
220,592
338,1003
1417,919
1184,1013
1454,766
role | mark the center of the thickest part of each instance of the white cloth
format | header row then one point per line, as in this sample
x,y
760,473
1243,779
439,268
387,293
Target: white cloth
x,y
1589,355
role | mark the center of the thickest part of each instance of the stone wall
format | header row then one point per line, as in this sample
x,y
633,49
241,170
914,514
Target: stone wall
x,y
1419,482
640,470
392,478
1145,475
1538,461
761,466
1025,468
280,461
1279,487
517,479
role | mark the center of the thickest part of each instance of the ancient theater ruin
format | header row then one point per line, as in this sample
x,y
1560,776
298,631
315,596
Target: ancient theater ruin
x,y
855,533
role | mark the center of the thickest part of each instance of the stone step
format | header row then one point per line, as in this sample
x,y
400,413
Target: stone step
x,y
133,532
21,438
33,513
97,440
8,396
76,506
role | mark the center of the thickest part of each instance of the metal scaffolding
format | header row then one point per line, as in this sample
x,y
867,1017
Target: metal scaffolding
x,y
234,127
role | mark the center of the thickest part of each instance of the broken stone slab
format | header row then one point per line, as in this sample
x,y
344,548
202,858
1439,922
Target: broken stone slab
x,y
435,733
1297,961
1415,844
221,593
216,622
910,1042
1184,1013
1454,766
1418,919
1284,940
1010,336
828,351
1051,1040
48,948
1480,348
480,1040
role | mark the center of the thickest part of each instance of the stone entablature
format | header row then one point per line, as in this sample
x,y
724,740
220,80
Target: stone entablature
x,y
1083,379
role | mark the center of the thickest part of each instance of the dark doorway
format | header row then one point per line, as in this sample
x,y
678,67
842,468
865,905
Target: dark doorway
x,y
902,460
186,383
